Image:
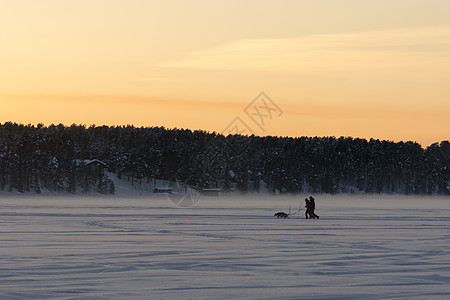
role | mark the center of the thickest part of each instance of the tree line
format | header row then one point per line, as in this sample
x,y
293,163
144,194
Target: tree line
x,y
34,158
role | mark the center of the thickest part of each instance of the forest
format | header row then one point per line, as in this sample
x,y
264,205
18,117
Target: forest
x,y
36,158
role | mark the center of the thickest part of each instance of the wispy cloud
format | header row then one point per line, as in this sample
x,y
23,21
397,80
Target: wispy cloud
x,y
362,50
124,100
152,79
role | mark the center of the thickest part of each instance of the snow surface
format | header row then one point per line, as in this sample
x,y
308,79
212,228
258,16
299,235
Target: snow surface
x,y
362,247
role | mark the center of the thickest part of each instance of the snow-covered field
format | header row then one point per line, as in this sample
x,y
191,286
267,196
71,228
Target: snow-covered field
x,y
362,247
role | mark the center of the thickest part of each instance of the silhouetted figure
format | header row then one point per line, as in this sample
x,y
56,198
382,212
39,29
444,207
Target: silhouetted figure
x,y
312,207
308,209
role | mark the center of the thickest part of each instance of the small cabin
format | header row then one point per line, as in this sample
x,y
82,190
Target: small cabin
x,y
160,190
92,165
211,192
95,163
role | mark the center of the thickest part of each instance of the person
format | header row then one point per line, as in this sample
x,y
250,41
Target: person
x,y
307,212
312,207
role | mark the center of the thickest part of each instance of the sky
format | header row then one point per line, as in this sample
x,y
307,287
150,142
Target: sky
x,y
367,69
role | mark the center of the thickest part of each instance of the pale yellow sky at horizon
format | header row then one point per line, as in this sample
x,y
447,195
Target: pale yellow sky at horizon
x,y
336,68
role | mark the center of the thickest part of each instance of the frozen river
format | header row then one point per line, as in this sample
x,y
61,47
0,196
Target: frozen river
x,y
224,248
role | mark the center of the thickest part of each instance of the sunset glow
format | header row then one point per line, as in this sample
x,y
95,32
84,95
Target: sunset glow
x,y
369,69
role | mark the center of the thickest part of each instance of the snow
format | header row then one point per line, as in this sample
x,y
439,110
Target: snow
x,y
124,247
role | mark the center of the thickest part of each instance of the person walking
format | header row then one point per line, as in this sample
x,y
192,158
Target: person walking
x,y
312,207
308,207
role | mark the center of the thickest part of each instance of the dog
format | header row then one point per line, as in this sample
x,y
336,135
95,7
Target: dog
x,y
281,215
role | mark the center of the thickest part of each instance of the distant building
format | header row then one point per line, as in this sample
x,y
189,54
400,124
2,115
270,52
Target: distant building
x,y
95,162
160,190
86,162
92,164
211,192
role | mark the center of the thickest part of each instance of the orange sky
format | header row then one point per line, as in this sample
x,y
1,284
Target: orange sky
x,y
335,68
